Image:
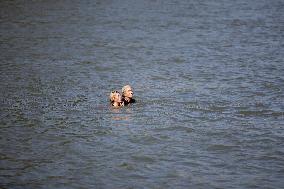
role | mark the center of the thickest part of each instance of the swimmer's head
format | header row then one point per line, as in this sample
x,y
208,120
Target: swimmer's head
x,y
127,91
115,96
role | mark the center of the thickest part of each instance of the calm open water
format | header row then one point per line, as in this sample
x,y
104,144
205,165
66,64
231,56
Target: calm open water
x,y
208,77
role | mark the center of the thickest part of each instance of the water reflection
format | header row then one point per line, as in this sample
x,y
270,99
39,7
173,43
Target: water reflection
x,y
123,113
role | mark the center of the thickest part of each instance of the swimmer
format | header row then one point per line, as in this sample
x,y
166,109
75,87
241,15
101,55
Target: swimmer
x,y
115,99
127,95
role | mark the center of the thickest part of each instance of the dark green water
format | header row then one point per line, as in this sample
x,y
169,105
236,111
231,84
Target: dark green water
x,y
208,78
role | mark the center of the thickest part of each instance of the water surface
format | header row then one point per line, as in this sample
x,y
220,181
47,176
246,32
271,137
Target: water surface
x,y
208,78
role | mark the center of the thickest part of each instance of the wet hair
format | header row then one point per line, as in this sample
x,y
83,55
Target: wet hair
x,y
124,89
111,95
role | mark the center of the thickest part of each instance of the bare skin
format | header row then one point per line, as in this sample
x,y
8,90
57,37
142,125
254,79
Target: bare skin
x,y
127,93
116,99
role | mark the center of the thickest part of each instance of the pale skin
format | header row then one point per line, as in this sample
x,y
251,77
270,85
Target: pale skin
x,y
127,93
116,100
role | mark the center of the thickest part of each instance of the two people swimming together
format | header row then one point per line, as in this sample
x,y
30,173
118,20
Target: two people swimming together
x,y
118,100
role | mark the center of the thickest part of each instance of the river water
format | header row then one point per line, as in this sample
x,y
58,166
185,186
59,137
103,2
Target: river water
x,y
208,78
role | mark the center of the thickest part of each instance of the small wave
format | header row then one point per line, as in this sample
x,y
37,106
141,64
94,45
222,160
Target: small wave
x,y
127,166
174,128
220,147
143,158
146,139
266,113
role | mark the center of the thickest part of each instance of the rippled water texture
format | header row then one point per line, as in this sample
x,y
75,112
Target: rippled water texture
x,y
208,78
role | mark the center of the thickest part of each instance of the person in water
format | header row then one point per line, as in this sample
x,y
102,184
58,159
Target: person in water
x,y
127,95
115,99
